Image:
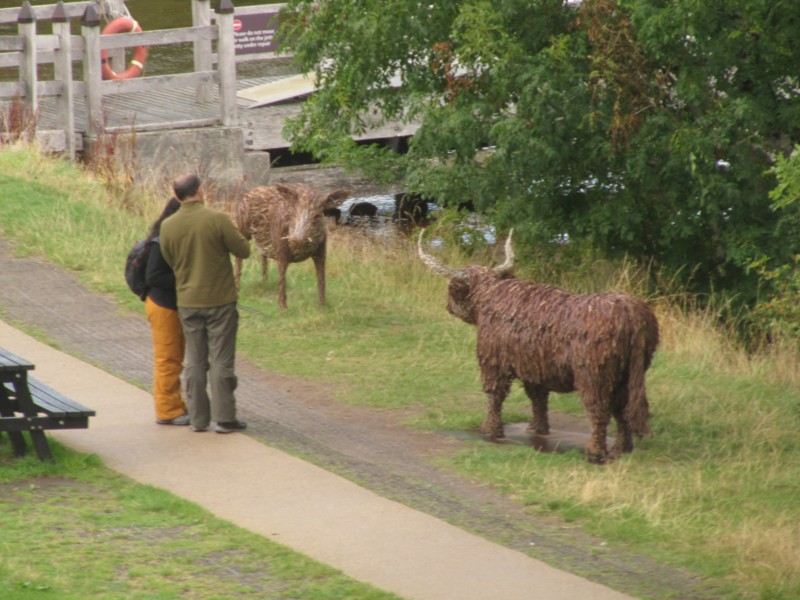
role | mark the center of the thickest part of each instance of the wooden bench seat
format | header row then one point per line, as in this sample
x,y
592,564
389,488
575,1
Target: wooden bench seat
x,y
62,410
56,411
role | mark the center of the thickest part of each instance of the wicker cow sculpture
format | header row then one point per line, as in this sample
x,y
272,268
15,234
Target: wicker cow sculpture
x,y
287,224
600,345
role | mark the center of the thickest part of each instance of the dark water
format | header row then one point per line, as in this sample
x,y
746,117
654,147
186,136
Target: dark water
x,y
516,434
152,15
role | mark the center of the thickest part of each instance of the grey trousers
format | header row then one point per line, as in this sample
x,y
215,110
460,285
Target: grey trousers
x,y
209,362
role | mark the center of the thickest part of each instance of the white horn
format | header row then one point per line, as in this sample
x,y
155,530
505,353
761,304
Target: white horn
x,y
434,264
509,262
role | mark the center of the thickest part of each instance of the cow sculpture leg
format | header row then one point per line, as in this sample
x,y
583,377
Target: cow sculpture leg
x,y
319,266
538,396
598,408
264,267
624,437
237,271
282,266
496,391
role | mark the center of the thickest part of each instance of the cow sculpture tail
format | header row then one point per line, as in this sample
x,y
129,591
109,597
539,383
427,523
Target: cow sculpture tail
x,y
644,342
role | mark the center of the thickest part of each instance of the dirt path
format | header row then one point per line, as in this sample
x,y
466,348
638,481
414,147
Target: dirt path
x,y
365,445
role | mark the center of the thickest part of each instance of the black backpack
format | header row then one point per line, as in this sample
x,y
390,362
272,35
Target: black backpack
x,y
135,266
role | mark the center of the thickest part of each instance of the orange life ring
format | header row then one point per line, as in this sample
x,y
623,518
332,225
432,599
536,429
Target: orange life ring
x,y
123,25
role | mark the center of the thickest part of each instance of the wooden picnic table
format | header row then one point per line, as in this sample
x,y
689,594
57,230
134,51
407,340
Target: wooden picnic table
x,y
28,405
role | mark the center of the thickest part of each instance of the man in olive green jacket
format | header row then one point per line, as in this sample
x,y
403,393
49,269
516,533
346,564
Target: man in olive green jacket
x,y
197,242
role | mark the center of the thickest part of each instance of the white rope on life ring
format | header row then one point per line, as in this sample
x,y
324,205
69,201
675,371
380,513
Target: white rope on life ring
x,y
136,66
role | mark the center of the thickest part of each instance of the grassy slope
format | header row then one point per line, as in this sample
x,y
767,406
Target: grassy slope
x,y
715,489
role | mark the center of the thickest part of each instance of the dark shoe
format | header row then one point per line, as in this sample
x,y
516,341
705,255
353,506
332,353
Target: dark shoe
x,y
179,420
230,427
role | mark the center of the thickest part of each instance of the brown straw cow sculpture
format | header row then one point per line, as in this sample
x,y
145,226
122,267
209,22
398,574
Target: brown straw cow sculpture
x,y
287,224
600,345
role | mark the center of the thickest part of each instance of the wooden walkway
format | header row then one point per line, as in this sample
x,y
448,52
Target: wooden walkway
x,y
170,109
153,110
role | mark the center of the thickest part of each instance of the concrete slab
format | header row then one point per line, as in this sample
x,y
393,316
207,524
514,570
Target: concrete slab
x,y
276,495
288,88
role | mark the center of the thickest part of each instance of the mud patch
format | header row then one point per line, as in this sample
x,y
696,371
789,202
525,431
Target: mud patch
x,y
557,441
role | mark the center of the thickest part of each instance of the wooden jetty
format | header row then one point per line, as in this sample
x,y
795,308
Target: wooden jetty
x,y
207,117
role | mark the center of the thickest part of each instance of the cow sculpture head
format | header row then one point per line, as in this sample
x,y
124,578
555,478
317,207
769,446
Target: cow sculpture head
x,y
463,282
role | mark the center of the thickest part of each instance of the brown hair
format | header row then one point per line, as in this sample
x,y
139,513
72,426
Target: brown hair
x,y
169,209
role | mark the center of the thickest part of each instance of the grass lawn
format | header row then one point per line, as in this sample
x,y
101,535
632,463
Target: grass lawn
x,y
714,490
73,529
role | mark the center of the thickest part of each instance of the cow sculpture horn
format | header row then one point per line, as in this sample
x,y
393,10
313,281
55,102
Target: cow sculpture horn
x,y
506,267
434,264
446,271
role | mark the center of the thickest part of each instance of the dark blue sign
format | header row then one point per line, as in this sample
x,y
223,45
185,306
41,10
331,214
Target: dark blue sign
x,y
255,33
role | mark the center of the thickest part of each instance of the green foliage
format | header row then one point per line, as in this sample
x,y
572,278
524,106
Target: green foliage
x,y
778,309
644,128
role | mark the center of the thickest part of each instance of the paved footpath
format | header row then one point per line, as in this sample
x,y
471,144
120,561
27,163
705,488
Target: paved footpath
x,y
322,515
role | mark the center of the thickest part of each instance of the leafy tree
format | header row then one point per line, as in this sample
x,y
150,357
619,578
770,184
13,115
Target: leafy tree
x,y
643,127
778,312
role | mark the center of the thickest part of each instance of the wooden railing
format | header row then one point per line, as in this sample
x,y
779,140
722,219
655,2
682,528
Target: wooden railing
x,y
29,49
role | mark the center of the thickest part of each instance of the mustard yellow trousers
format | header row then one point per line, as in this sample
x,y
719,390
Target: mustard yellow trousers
x,y
168,348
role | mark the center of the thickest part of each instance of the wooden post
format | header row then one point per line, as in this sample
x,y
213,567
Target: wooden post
x,y
201,17
108,10
92,77
226,63
26,22
65,104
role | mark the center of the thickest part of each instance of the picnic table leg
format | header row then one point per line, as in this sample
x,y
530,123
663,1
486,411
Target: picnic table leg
x,y
40,443
38,437
17,441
